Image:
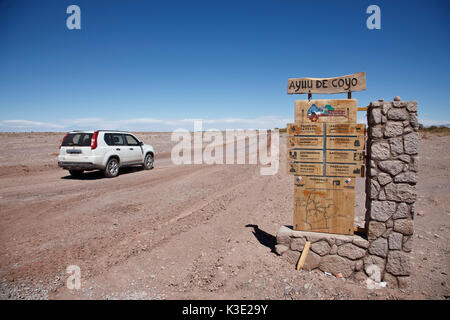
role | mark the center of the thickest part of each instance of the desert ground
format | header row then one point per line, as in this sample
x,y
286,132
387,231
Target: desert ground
x,y
184,231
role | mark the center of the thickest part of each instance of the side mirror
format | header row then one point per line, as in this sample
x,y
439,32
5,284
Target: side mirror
x,y
141,143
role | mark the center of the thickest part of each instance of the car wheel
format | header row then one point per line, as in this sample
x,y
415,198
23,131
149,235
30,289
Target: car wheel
x,y
112,168
76,173
148,161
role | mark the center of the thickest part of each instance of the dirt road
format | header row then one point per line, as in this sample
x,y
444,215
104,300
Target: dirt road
x,y
189,231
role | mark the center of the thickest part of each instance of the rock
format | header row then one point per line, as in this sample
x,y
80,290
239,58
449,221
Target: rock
x,y
404,158
336,264
389,223
392,167
384,178
374,189
382,195
359,264
291,256
398,114
280,249
382,210
393,129
408,129
351,251
404,282
398,263
322,248
312,261
376,132
379,247
404,226
395,241
414,121
414,164
298,244
409,177
380,151
397,98
396,145
334,249
407,243
387,232
390,280
400,192
375,116
412,106
370,260
359,276
402,211
411,143
375,229
360,242
386,107
284,236
340,241
373,172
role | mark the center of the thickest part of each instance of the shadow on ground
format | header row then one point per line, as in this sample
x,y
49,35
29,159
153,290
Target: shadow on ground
x,y
266,239
97,174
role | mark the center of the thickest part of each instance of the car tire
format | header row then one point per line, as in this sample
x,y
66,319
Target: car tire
x,y
76,173
148,161
112,168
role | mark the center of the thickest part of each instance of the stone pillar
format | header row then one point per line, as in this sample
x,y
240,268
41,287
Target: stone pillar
x,y
392,154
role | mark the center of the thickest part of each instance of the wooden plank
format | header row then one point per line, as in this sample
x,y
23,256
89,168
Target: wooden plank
x,y
346,142
305,155
326,111
305,142
323,204
362,109
305,169
302,259
344,156
344,170
339,129
313,129
348,83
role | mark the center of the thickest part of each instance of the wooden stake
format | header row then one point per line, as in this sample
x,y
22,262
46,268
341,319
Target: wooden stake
x,y
302,259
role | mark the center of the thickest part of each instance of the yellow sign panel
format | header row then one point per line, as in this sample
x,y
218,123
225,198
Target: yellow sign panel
x,y
305,142
347,83
344,170
345,129
305,169
326,111
356,157
314,129
305,155
323,204
345,142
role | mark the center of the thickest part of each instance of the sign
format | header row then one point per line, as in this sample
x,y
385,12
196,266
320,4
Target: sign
x,y
326,149
326,111
348,83
323,204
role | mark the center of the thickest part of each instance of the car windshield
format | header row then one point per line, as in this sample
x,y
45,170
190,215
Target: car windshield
x,y
77,140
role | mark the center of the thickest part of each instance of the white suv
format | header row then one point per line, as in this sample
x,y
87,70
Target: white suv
x,y
104,150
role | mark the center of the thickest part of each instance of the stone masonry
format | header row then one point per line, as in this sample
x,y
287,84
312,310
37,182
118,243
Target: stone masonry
x,y
391,165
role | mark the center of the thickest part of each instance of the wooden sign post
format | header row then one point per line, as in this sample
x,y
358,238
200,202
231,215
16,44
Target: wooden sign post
x,y
325,153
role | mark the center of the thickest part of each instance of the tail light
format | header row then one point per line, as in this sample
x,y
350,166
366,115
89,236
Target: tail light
x,y
60,145
94,140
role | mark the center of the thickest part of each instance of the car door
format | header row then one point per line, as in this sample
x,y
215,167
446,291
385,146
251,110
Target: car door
x,y
134,149
117,142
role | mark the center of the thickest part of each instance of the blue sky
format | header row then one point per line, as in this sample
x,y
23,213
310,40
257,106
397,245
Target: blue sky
x,y
144,65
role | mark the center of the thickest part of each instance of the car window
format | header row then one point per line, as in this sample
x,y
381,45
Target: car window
x,y
117,139
131,141
77,140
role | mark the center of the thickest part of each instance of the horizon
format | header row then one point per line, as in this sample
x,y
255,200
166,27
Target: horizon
x,y
156,67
